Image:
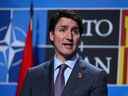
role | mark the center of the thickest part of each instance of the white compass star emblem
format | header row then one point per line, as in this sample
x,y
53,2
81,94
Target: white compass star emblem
x,y
9,46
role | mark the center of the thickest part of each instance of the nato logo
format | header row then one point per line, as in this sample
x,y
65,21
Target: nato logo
x,y
12,37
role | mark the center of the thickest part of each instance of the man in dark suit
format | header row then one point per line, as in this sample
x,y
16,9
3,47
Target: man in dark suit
x,y
78,78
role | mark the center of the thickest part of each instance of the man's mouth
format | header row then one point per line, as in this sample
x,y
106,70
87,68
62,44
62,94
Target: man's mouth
x,y
68,45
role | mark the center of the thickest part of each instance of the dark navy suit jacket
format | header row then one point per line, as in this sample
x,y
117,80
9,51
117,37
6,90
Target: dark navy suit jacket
x,y
85,80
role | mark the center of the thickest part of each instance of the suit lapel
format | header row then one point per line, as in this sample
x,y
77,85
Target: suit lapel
x,y
47,80
51,78
76,80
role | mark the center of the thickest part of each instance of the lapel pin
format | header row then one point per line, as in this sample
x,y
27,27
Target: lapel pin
x,y
79,75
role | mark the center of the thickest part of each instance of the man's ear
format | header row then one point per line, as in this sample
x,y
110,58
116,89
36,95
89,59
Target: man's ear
x,y
51,36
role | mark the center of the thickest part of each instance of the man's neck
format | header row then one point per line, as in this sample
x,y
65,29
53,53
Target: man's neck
x,y
65,58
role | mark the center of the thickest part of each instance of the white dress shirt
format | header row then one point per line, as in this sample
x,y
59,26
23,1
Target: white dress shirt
x,y
68,70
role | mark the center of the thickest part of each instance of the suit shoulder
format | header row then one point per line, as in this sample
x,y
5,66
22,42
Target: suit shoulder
x,y
90,68
40,67
95,74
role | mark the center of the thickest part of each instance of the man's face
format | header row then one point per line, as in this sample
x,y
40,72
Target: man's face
x,y
65,37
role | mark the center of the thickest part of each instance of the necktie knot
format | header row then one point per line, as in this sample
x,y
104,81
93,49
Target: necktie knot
x,y
62,68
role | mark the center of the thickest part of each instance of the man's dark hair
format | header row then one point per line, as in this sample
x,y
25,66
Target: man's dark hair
x,y
72,14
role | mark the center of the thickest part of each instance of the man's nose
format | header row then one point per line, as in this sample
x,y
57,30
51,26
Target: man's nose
x,y
69,35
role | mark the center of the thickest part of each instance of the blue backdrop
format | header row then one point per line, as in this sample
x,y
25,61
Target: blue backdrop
x,y
14,20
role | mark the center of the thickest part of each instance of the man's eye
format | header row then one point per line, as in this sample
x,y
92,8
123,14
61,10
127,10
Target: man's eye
x,y
76,31
61,30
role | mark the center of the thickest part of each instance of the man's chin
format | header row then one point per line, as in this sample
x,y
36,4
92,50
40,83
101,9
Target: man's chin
x,y
69,55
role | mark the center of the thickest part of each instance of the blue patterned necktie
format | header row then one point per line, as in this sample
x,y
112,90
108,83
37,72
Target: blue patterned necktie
x,y
60,81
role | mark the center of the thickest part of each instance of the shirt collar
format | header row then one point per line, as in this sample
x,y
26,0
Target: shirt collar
x,y
70,62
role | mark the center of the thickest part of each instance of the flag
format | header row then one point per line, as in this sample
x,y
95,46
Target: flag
x,y
27,59
123,51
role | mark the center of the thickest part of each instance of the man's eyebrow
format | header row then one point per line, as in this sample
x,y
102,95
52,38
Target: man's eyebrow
x,y
62,26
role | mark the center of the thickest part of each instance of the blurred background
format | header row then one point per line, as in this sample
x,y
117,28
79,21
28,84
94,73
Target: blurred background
x,y
104,41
